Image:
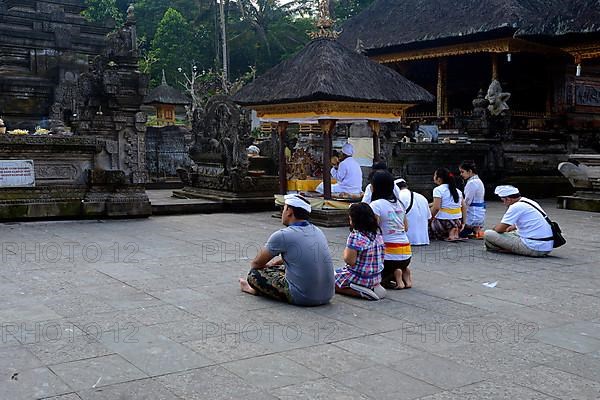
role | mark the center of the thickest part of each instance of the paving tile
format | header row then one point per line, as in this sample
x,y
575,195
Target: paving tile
x,y
208,383
368,320
140,389
490,390
271,371
384,383
378,349
153,353
568,338
491,359
159,314
70,396
70,344
439,371
100,371
34,383
16,358
584,365
322,389
327,360
557,383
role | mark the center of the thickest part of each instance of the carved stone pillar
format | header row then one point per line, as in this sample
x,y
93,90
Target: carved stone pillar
x,y
327,127
281,130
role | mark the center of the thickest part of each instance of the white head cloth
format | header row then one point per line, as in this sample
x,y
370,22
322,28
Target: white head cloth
x,y
348,149
506,190
295,200
253,149
399,180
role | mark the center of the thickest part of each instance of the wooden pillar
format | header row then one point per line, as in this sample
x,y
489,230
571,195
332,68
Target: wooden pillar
x,y
442,101
281,130
494,66
375,128
327,127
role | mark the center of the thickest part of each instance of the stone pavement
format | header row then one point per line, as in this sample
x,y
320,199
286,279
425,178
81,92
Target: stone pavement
x,y
151,309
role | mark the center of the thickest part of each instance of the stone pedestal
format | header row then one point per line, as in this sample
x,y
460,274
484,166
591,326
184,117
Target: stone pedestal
x,y
73,179
583,172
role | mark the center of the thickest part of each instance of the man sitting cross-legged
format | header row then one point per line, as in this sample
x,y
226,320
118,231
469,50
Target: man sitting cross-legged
x,y
295,265
523,229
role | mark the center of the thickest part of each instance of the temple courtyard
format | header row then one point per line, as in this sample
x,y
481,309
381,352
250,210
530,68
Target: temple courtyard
x,y
151,309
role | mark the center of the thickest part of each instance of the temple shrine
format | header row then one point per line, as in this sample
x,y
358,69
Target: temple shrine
x,y
544,56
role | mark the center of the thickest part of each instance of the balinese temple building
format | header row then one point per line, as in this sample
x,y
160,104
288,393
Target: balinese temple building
x,y
546,54
165,98
44,46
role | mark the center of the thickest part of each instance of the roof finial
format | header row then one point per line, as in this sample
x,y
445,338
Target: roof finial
x,y
164,78
324,23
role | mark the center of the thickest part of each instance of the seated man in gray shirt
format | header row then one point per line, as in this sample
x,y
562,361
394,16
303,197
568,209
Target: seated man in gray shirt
x,y
295,265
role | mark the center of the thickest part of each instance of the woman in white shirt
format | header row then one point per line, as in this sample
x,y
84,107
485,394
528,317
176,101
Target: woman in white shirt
x,y
448,210
391,217
474,200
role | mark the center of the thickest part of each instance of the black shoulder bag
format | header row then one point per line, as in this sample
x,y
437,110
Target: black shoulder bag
x,y
412,199
557,236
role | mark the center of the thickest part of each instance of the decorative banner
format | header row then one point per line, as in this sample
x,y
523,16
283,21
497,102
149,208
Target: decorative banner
x,y
17,173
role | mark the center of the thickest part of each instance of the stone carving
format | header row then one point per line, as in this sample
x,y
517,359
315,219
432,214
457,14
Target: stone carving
x,y
579,175
221,133
480,104
86,86
303,165
497,98
64,172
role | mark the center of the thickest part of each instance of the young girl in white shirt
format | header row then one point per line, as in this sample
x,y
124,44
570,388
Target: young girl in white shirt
x,y
448,210
391,217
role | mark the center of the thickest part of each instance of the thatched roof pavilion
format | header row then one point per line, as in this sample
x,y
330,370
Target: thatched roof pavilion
x,y
327,82
327,71
166,94
164,98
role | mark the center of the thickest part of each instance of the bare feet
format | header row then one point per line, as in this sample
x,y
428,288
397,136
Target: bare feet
x,y
398,277
453,235
245,286
407,278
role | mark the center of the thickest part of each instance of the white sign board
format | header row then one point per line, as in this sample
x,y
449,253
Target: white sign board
x,y
17,173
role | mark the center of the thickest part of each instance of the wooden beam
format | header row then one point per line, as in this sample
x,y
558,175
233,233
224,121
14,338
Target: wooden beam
x,y
505,45
442,75
281,130
327,127
375,128
495,66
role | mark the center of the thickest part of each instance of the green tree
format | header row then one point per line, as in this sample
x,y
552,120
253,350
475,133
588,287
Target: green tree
x,y
345,9
101,11
263,33
176,45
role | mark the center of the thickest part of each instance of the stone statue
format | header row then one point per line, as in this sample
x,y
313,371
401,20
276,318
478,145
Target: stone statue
x,y
480,103
131,14
578,175
497,98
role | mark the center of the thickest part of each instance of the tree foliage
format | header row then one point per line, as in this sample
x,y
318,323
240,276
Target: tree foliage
x,y
101,11
185,33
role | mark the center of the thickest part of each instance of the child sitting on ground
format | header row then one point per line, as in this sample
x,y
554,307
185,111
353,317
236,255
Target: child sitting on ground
x,y
363,256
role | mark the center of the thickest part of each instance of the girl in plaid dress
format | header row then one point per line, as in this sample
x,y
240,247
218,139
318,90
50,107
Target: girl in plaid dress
x,y
363,255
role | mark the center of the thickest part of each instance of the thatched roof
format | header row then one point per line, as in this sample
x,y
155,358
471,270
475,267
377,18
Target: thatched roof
x,y
326,70
412,23
165,94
